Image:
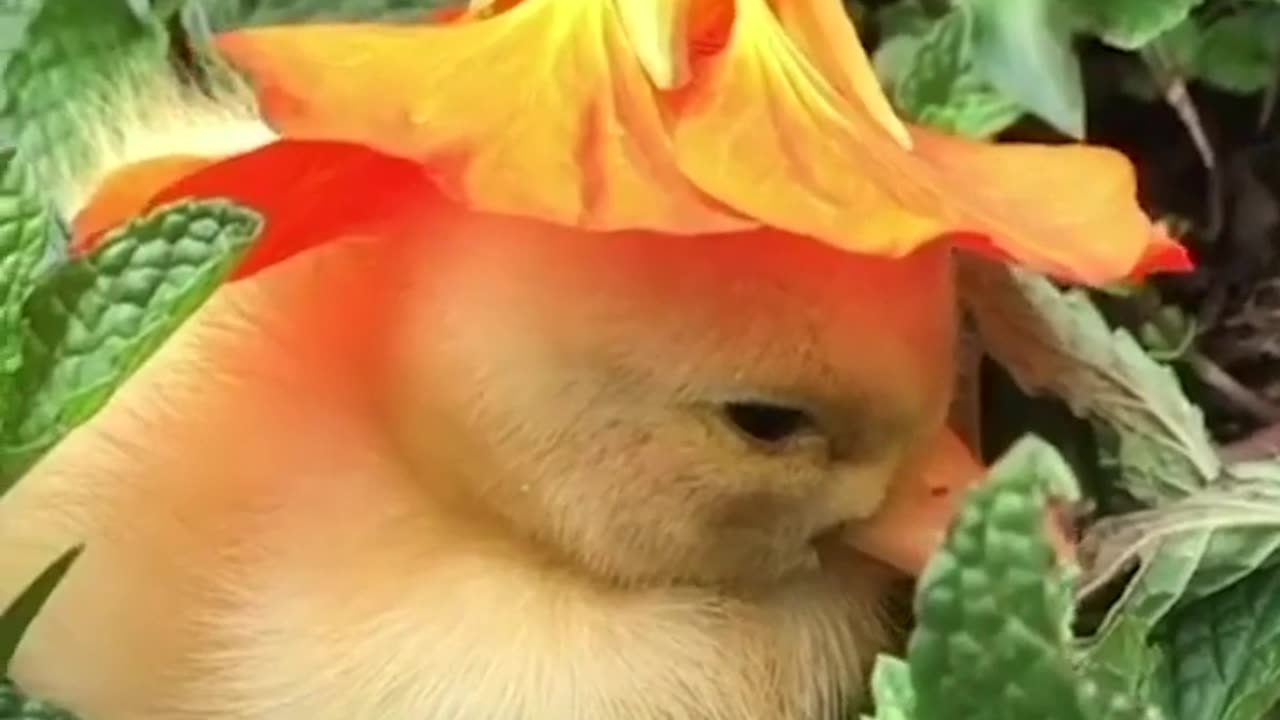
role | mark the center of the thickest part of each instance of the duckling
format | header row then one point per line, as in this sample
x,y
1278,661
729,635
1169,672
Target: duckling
x,y
495,468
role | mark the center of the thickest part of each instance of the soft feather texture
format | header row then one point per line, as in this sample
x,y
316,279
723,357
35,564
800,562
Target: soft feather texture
x,y
482,474
148,115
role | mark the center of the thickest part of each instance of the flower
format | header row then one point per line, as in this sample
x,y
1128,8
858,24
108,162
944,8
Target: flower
x,y
687,117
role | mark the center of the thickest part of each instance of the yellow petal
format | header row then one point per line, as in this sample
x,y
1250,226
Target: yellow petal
x,y
769,132
659,32
822,31
1064,209
762,130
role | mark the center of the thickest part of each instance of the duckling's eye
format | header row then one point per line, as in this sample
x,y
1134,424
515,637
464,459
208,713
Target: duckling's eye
x,y
766,422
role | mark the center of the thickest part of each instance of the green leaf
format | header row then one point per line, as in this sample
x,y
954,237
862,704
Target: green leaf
x,y
1240,52
1131,24
1191,548
1208,528
994,607
891,690
239,13
24,242
992,611
938,85
1123,659
15,16
16,618
1169,565
92,322
1024,49
893,58
15,705
1057,342
907,17
1222,653
901,26
72,70
1178,47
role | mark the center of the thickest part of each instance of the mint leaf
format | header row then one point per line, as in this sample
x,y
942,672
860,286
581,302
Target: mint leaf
x,y
1024,49
15,16
938,85
238,13
1208,528
993,611
1191,548
901,26
1056,341
1169,565
1124,660
1179,45
18,616
93,321
76,65
1222,653
1131,24
903,18
15,705
891,690
892,60
994,608
1240,52
24,241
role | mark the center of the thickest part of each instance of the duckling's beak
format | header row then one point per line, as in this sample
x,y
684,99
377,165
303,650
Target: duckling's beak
x,y
912,522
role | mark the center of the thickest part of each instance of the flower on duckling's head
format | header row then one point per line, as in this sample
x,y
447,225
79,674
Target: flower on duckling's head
x,y
692,117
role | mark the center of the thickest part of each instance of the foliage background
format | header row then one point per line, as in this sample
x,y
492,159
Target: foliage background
x,y
1161,403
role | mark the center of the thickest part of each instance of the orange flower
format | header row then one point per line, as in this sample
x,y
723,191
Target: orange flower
x,y
685,117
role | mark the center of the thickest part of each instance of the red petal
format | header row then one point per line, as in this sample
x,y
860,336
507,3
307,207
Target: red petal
x,y
125,192
309,193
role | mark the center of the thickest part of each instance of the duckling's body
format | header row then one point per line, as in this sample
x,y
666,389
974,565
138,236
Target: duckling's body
x,y
493,471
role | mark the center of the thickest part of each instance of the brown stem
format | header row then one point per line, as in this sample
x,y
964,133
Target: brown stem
x,y
1262,445
1244,398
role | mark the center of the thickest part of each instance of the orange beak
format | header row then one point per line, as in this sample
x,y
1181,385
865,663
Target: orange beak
x,y
914,519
